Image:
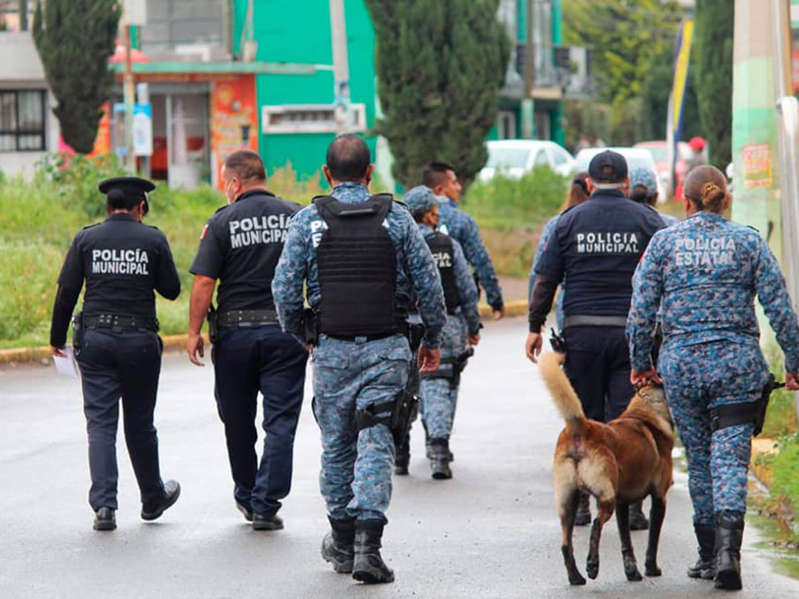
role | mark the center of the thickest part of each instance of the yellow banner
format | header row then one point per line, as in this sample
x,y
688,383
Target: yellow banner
x,y
681,73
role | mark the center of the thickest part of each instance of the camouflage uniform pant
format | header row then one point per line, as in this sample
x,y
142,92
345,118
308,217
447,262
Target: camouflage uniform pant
x,y
439,399
356,465
698,378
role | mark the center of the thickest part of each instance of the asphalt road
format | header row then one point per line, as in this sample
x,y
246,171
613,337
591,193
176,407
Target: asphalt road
x,y
490,532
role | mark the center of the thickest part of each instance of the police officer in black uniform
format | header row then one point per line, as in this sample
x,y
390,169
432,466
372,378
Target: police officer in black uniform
x,y
240,246
116,342
596,246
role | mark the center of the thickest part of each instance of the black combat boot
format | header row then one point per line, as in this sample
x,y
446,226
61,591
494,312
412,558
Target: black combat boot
x,y
637,519
403,456
439,458
705,567
104,519
368,565
729,535
153,511
337,546
583,515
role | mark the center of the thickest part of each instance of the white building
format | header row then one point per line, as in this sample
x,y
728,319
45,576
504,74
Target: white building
x,y
28,128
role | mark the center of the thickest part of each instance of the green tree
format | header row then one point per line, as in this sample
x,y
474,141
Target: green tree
x,y
713,76
440,65
74,39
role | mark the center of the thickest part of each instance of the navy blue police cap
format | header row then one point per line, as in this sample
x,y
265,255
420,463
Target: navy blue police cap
x,y
135,186
607,167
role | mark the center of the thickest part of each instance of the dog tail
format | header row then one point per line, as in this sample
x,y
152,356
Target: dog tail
x,y
563,394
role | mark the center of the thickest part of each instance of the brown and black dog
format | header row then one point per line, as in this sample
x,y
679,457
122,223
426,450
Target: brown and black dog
x,y
618,463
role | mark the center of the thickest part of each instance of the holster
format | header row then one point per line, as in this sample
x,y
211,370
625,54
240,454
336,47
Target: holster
x,y
415,336
310,323
213,324
557,341
454,375
77,332
744,413
397,414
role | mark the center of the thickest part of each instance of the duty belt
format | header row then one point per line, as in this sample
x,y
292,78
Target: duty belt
x,y
402,329
594,320
120,322
246,318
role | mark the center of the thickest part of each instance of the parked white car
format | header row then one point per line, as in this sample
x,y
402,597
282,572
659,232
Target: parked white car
x,y
515,157
635,157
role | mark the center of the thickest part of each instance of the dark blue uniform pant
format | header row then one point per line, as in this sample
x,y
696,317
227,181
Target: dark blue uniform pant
x,y
125,365
248,360
598,367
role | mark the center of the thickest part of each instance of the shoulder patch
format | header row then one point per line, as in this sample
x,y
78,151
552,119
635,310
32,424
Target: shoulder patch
x,y
205,230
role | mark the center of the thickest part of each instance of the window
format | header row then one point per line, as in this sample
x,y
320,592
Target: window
x,y
309,118
541,158
22,120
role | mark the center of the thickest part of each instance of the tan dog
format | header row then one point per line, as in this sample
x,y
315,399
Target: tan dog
x,y
618,463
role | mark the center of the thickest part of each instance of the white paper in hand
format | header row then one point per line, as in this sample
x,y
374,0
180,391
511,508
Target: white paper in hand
x,y
66,366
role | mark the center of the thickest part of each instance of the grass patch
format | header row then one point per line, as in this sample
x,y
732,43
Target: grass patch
x,y
39,218
511,212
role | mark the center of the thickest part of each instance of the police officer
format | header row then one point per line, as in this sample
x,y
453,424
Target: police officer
x,y
361,257
644,190
116,342
595,247
439,389
578,193
706,272
240,245
441,178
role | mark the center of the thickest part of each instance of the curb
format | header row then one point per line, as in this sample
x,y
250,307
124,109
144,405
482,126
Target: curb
x,y
173,342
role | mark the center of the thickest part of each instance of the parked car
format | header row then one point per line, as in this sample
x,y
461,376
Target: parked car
x,y
660,153
636,158
515,157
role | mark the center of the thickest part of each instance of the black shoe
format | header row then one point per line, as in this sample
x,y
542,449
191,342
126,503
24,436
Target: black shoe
x,y
583,515
428,450
171,494
104,519
337,546
637,519
401,469
261,522
729,535
705,567
439,459
246,511
368,565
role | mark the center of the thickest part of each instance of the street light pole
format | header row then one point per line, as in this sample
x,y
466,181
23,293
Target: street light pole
x,y
528,106
341,69
129,95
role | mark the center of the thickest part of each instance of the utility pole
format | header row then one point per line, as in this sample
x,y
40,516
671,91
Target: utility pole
x,y
23,15
129,95
528,105
341,69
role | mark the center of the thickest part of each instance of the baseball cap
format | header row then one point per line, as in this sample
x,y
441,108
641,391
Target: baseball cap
x,y
607,167
419,200
644,177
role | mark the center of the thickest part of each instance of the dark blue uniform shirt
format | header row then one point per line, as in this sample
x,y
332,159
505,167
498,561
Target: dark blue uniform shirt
x,y
598,244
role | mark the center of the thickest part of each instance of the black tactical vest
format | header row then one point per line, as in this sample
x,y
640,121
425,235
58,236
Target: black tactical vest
x,y
357,269
441,248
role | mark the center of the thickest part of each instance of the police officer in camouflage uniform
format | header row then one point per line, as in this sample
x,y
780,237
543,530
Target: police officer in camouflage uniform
x,y
361,258
441,178
240,245
644,190
706,272
116,343
439,390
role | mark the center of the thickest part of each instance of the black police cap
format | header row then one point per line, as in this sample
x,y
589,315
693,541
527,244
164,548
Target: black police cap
x,y
132,185
608,166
